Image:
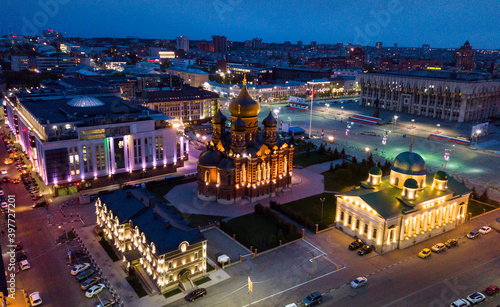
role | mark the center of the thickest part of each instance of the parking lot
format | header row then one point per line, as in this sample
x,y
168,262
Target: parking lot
x,y
220,244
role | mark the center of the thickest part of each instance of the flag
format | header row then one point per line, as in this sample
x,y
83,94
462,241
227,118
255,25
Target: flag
x,y
314,91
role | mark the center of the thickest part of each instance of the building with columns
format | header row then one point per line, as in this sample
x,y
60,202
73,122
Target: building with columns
x,y
243,162
452,96
404,208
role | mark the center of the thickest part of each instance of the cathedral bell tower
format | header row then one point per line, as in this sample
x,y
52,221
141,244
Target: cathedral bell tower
x,y
270,138
219,127
238,137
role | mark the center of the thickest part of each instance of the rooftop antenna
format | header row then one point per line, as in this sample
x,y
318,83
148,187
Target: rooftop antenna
x,y
411,144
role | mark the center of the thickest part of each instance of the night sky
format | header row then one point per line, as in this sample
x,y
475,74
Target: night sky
x,y
440,23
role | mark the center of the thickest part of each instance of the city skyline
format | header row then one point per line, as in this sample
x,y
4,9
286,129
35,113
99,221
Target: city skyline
x,y
407,24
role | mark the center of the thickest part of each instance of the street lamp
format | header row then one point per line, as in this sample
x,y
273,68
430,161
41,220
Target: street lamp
x,y
367,149
322,199
438,125
478,132
395,122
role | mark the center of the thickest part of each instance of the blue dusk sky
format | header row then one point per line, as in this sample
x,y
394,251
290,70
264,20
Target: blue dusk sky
x,y
440,23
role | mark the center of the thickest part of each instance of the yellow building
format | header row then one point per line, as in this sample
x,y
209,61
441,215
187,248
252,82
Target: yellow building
x,y
404,208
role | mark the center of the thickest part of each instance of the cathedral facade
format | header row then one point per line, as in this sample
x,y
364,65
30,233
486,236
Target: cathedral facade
x,y
243,162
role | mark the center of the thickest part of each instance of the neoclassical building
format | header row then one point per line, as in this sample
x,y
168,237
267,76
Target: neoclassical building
x,y
244,162
404,208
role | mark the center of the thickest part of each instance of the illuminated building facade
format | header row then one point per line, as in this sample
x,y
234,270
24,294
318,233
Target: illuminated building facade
x,y
243,163
404,208
171,253
89,141
440,94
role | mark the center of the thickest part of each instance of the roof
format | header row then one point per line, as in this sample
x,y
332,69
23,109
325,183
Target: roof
x,y
189,93
442,75
387,200
410,183
187,70
244,104
409,163
441,175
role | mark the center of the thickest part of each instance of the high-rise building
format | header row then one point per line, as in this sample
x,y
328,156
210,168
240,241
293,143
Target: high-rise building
x,y
220,43
56,62
356,58
182,43
464,57
395,45
299,44
313,44
22,62
256,43
379,45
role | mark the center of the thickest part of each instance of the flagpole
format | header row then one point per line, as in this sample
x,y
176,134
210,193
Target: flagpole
x,y
311,113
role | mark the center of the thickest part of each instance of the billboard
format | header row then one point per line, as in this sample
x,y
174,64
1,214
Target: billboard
x,y
479,130
297,99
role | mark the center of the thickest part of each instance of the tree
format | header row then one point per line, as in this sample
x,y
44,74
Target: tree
x,y
474,194
484,197
370,159
272,242
342,153
321,149
354,160
281,236
308,151
331,167
335,154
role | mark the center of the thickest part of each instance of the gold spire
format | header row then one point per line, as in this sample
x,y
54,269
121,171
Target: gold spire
x,y
239,109
244,79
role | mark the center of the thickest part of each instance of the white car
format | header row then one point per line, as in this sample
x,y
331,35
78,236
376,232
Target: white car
x,y
476,297
359,282
3,172
485,229
460,303
2,193
438,248
94,290
24,265
80,268
35,299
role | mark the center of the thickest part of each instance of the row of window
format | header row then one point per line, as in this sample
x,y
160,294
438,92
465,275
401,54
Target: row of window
x,y
358,223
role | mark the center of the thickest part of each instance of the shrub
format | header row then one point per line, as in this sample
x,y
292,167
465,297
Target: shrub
x,y
272,242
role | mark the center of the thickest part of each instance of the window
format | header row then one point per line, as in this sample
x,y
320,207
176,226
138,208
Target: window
x,y
228,197
170,265
228,180
148,144
74,161
196,256
170,277
366,228
137,151
87,158
196,268
357,224
375,233
342,215
100,159
159,147
349,220
207,176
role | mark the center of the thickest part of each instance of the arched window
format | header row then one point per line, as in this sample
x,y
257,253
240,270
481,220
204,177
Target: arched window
x,y
218,177
285,165
263,170
207,176
422,183
268,171
228,180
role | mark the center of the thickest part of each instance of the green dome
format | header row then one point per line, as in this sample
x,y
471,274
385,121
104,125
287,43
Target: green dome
x,y
411,183
440,175
375,170
409,163
244,105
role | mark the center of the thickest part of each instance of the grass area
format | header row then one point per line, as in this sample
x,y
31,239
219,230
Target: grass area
x,y
109,250
201,220
333,182
137,286
172,293
202,281
209,267
160,190
477,208
314,158
310,207
254,225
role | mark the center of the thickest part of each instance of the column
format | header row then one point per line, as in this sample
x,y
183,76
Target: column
x,y
440,217
433,219
410,226
447,217
426,221
455,212
419,218
402,231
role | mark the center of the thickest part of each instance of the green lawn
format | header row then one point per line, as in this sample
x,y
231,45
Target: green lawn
x,y
196,220
335,183
311,207
314,158
477,208
109,250
202,281
254,225
172,293
137,286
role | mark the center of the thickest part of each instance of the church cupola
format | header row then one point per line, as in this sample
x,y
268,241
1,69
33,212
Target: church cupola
x,y
238,135
410,188
440,181
219,126
269,136
375,176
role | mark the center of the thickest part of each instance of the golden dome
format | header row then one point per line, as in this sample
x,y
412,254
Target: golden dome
x,y
249,107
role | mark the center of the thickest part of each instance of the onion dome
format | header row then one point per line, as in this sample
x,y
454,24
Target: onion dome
x,y
239,124
411,183
270,121
226,163
209,158
85,102
441,175
248,106
375,170
219,118
409,163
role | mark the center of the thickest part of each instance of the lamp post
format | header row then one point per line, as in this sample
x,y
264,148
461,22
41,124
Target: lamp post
x,y
478,132
67,243
438,125
367,149
322,199
394,123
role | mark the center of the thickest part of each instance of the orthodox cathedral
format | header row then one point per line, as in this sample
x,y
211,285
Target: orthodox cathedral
x,y
244,161
404,208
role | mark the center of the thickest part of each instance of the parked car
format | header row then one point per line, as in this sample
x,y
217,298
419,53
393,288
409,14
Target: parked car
x,y
485,229
24,265
21,255
197,293
492,290
5,179
15,181
460,303
40,204
473,234
85,274
424,253
106,303
18,246
36,196
356,244
476,297
90,282
451,242
80,268
365,250
313,299
438,248
3,172
359,282
94,290
35,299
